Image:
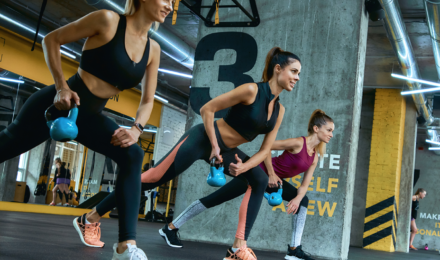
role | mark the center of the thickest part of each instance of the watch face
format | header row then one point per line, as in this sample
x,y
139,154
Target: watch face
x,y
140,126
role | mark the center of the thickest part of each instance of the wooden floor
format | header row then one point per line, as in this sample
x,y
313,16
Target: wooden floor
x,y
42,236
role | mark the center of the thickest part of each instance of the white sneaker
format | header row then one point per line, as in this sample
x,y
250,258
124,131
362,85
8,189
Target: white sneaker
x,y
131,253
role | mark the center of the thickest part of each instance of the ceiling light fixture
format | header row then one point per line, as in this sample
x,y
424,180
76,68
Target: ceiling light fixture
x,y
12,80
160,99
33,31
417,80
176,73
432,142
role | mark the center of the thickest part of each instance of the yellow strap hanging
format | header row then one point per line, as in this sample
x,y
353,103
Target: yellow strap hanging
x,y
176,7
217,20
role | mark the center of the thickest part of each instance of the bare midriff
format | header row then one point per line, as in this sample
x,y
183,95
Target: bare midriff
x,y
230,137
97,86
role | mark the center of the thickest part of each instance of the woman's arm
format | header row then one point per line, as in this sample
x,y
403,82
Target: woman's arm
x,y
93,24
256,159
287,144
125,137
293,205
243,94
273,178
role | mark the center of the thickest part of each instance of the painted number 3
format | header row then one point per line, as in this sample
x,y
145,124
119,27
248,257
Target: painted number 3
x,y
246,48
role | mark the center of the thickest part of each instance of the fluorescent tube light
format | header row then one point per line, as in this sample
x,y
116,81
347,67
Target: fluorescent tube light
x,y
11,80
33,31
434,148
160,99
72,143
417,80
145,130
176,73
68,54
120,9
432,142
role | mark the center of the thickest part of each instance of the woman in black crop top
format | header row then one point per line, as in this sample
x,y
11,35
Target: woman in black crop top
x,y
117,55
420,194
256,110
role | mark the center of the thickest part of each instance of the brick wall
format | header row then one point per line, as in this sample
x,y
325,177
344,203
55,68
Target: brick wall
x,y
384,171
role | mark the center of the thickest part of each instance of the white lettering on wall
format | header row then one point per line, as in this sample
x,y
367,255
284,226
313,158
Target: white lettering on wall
x,y
333,161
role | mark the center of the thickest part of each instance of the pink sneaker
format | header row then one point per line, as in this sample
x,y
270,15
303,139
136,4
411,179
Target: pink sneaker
x,y
243,253
89,234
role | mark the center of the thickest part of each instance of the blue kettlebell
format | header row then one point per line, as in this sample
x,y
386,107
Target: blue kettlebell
x,y
63,129
275,198
216,177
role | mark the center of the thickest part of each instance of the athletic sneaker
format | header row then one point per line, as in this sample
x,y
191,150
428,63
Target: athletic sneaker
x,y
297,253
243,253
131,253
89,234
412,247
171,236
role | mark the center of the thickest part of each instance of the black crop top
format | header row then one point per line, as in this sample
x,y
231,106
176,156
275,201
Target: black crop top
x,y
251,120
414,208
111,63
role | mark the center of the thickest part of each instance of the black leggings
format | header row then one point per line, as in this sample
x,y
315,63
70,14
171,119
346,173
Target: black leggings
x,y
95,131
195,145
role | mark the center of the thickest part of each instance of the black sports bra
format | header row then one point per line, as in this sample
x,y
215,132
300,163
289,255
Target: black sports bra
x,y
111,63
251,120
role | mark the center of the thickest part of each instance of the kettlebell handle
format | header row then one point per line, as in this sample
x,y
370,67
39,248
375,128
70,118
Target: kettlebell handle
x,y
280,186
47,112
213,162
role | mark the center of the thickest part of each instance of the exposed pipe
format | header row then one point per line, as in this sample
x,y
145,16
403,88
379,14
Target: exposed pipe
x,y
432,14
432,9
170,44
398,36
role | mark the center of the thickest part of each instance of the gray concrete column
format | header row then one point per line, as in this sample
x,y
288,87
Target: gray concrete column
x,y
362,167
330,38
407,178
8,177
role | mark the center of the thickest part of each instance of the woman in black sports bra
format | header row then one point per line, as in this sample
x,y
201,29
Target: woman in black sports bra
x,y
117,55
255,110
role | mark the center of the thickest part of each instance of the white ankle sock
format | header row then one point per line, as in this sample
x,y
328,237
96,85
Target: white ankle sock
x,y
169,228
234,249
87,222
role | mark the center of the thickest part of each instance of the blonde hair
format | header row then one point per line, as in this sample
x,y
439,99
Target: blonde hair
x,y
318,118
131,6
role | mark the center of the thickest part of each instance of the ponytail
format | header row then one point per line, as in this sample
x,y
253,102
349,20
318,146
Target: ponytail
x,y
277,56
131,6
318,118
419,190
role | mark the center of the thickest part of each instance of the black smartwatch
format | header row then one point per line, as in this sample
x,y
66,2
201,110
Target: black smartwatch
x,y
139,127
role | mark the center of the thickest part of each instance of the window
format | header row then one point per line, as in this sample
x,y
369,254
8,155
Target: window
x,y
22,167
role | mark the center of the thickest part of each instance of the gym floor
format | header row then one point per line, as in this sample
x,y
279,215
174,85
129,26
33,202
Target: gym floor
x,y
41,236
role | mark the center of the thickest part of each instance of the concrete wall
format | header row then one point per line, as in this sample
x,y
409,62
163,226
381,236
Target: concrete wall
x,y
428,214
407,177
362,165
331,44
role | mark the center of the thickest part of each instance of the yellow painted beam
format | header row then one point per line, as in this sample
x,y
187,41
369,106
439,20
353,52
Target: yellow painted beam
x,y
17,57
